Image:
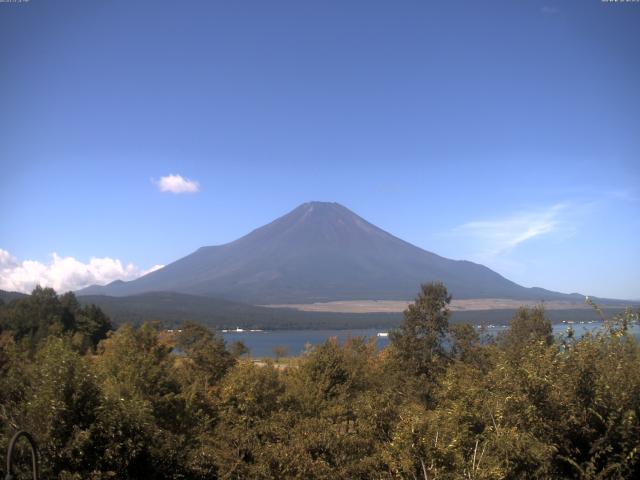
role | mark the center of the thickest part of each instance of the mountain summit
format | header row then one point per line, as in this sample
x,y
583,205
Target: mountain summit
x,y
320,252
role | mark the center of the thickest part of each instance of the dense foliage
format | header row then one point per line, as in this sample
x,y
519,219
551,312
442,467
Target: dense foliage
x,y
438,403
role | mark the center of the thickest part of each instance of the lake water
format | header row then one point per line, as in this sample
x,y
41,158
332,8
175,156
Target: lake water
x,y
261,344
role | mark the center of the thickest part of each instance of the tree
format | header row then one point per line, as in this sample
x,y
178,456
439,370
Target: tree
x,y
35,317
238,349
44,313
60,407
144,426
249,397
526,327
70,302
92,322
280,352
343,410
206,352
418,344
466,346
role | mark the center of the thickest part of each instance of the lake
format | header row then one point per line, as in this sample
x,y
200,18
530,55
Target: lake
x,y
262,343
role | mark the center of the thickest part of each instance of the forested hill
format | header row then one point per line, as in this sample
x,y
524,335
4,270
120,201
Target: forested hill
x,y
6,297
174,308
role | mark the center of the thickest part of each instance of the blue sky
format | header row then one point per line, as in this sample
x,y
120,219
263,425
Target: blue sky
x,y
505,132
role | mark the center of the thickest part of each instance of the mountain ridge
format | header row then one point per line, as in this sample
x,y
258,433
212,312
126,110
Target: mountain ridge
x,y
320,251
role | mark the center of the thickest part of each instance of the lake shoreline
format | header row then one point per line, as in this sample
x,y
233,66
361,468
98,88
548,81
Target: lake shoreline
x,y
261,343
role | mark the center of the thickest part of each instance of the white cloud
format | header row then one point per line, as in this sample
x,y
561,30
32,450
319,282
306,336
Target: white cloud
x,y
63,273
152,269
177,184
549,10
6,260
501,235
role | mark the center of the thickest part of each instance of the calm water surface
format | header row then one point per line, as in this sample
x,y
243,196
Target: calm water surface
x,y
261,344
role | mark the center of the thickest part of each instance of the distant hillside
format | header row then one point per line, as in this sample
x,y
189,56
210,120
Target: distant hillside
x,y
6,297
321,252
174,308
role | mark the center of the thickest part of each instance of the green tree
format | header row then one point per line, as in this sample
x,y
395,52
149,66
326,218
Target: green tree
x,y
44,313
16,370
93,324
37,316
527,326
61,403
342,411
418,344
249,398
145,423
238,349
206,353
467,348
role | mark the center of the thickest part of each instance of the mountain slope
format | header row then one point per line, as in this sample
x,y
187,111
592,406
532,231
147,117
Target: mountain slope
x,y
320,252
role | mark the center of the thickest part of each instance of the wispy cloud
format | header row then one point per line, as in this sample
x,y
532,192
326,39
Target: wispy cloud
x,y
177,184
624,194
549,10
504,234
63,273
